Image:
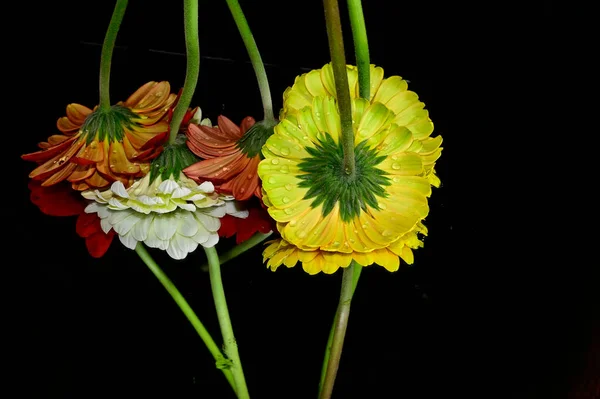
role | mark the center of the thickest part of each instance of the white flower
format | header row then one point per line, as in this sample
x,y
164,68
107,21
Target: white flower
x,y
175,216
197,119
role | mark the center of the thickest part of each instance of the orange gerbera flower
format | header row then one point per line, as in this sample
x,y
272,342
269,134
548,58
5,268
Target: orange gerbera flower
x,y
230,155
98,147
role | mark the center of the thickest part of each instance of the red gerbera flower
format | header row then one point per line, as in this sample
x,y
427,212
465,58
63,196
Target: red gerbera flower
x,y
258,221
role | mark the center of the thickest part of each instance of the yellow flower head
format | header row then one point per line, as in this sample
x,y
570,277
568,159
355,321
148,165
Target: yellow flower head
x,y
318,207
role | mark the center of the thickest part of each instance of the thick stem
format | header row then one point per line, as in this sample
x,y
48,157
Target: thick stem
x,y
356,275
192,52
338,62
361,47
107,52
185,308
341,324
229,343
257,64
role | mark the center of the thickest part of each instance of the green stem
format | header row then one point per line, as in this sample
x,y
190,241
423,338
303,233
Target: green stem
x,y
338,62
356,275
241,248
192,51
257,64
229,343
361,47
341,324
186,309
107,52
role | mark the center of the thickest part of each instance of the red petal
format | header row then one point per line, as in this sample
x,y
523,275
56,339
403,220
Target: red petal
x,y
228,226
57,200
243,185
87,224
97,244
222,168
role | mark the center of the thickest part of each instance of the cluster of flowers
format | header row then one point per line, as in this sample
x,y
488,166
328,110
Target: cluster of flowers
x,y
114,169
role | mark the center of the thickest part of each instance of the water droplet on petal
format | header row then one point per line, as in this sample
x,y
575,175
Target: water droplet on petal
x,y
288,211
284,169
382,206
301,234
386,233
272,179
365,225
250,176
336,244
394,157
397,166
352,240
285,151
292,222
305,138
242,190
299,126
289,187
285,200
275,161
396,179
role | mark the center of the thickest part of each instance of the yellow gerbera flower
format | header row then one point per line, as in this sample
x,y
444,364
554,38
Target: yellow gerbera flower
x,y
317,206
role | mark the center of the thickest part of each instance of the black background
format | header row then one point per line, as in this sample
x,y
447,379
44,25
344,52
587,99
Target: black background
x,y
486,311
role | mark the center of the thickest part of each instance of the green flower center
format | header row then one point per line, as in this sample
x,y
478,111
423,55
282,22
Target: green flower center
x,y
329,185
253,140
108,124
174,158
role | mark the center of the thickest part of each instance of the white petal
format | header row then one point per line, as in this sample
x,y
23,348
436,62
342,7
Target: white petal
x,y
216,211
115,203
206,122
119,189
92,208
207,187
165,225
197,117
210,223
128,241
213,239
180,192
188,225
236,209
180,246
146,200
89,194
196,197
105,226
188,207
115,217
202,235
140,230
167,186
125,225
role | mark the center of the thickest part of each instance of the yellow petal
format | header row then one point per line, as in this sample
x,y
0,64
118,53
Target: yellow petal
x,y
296,135
313,83
375,80
385,258
373,120
402,101
325,231
389,88
402,164
296,231
332,118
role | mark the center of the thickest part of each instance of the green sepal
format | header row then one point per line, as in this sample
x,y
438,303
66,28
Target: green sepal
x,y
108,123
223,363
254,139
329,185
174,158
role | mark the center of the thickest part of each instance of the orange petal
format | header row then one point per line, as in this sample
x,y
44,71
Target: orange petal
x,y
137,96
60,175
66,126
81,173
93,153
228,128
44,155
80,186
55,164
222,168
118,162
246,124
143,139
95,181
154,97
208,142
77,113
243,185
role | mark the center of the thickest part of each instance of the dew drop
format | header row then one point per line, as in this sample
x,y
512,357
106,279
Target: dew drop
x,y
111,166
396,179
284,169
336,244
305,138
382,206
250,177
299,126
396,166
364,226
242,190
352,240
301,234
272,179
274,161
285,151
386,233
293,222
225,168
286,200
287,211
394,157
289,187
346,245
114,151
355,231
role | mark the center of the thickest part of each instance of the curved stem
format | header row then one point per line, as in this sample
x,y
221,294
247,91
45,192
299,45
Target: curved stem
x,y
338,62
241,248
257,64
107,51
229,343
186,309
341,324
361,47
192,51
355,276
